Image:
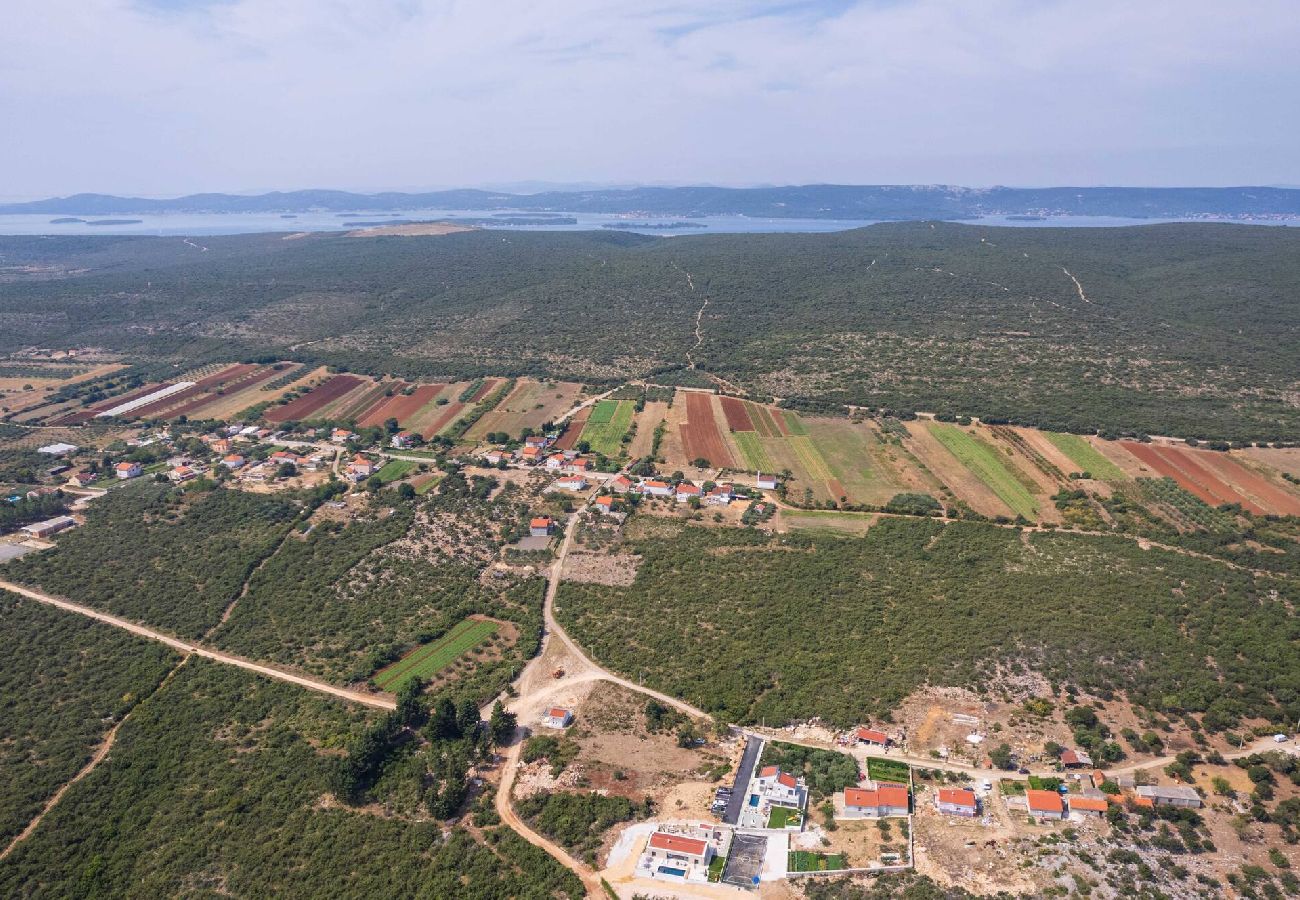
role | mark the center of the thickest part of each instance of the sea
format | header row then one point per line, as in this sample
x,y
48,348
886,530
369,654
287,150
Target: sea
x,y
199,224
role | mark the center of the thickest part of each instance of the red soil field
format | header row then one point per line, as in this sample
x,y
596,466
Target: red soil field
x,y
1272,497
364,401
401,407
241,384
836,489
700,436
778,416
308,403
85,415
575,425
198,388
737,415
762,419
449,412
488,387
1190,475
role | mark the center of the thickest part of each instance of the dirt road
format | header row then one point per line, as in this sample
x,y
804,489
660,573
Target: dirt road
x,y
379,702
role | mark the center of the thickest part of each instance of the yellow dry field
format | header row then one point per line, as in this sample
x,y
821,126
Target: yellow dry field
x,y
418,229
961,481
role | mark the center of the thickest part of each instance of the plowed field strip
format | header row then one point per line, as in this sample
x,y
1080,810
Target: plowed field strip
x,y
449,414
762,420
1244,481
1169,468
314,400
357,405
810,457
489,385
789,422
1189,461
402,406
982,461
85,415
1085,456
197,390
700,434
737,416
569,439
243,384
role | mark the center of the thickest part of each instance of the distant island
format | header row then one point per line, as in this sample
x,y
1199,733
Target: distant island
x,y
656,226
810,201
66,220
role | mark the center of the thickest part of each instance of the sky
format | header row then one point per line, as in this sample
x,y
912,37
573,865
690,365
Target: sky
x,y
166,97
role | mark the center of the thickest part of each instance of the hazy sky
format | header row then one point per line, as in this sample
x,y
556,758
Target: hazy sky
x,y
160,97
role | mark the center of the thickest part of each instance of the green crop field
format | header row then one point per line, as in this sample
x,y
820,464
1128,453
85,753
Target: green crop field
x,y
981,459
436,655
811,459
880,769
1085,456
807,861
751,449
608,423
793,422
602,412
395,469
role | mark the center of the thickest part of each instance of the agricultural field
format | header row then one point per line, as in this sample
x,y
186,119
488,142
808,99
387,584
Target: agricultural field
x,y
808,861
700,436
708,606
224,778
395,469
1085,457
72,681
1216,478
529,405
982,459
428,659
607,424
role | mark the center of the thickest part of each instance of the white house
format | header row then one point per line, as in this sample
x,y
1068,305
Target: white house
x,y
720,495
1044,804
540,526
572,483
652,488
128,470
676,857
957,802
876,801
1170,795
404,439
687,491
620,485
765,482
233,461
772,790
557,717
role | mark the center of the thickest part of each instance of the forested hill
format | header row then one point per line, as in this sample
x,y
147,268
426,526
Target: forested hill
x,y
816,201
1189,329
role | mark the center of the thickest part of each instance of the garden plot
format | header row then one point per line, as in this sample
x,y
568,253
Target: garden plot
x,y
608,422
983,460
428,660
1083,456
530,405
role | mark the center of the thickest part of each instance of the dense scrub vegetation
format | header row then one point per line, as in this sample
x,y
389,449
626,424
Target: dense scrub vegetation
x,y
161,556
825,771
749,626
956,319
66,680
219,784
577,822
350,597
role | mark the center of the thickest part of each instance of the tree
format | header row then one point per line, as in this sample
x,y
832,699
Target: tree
x,y
467,716
410,711
391,426
406,491
1001,756
502,724
442,726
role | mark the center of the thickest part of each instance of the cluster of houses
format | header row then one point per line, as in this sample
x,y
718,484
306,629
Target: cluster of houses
x,y
1092,802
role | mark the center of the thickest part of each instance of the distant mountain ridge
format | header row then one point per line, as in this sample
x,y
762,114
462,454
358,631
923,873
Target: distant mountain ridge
x,y
819,201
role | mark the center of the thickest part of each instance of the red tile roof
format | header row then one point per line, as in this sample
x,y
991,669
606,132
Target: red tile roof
x,y
678,844
870,734
1044,801
787,779
541,522
1089,804
885,795
557,712
957,797
1069,758
768,771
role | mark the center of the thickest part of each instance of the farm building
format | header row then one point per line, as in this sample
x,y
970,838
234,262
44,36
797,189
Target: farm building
x,y
493,457
360,468
1076,759
654,488
557,717
1170,795
620,485
876,802
128,470
957,802
541,526
233,461
1088,806
404,439
82,479
677,857
720,495
572,483
1044,804
871,737
49,526
765,482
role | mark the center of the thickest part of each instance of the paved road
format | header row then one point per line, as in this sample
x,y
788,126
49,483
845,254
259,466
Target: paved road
x,y
753,749
374,700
